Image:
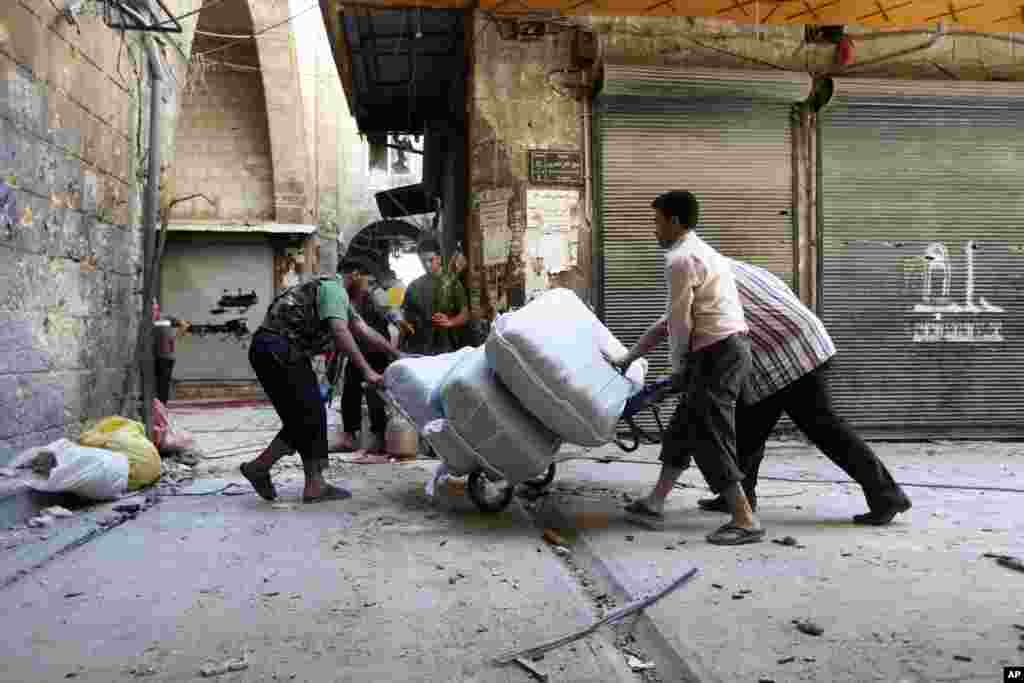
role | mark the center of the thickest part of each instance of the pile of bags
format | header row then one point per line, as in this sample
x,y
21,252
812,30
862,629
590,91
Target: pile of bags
x,y
540,380
109,460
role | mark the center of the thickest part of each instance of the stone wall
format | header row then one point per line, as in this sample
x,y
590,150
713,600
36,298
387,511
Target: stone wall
x,y
223,144
73,102
516,106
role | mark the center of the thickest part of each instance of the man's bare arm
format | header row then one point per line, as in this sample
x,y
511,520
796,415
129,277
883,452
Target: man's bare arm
x,y
346,344
372,337
654,335
650,339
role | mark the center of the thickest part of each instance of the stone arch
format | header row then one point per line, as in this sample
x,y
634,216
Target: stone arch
x,y
293,173
257,177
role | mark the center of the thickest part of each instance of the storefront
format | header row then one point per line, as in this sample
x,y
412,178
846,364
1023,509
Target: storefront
x,y
921,283
725,135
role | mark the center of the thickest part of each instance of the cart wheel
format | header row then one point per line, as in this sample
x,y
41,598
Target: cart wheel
x,y
543,480
477,488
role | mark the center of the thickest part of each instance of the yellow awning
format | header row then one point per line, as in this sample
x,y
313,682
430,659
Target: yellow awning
x,y
1000,16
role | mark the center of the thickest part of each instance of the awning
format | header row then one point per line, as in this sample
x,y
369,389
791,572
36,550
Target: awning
x,y
988,15
400,67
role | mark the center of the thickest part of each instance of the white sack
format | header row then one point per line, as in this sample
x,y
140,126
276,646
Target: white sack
x,y
548,354
413,382
93,473
458,457
494,426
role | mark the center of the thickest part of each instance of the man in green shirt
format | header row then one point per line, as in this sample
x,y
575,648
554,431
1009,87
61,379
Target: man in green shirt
x,y
436,308
302,322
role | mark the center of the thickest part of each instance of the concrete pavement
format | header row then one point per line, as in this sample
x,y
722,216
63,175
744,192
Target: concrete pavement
x,y
382,587
391,586
914,601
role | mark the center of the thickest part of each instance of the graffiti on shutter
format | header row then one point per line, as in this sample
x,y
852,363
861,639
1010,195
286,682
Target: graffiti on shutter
x,y
937,316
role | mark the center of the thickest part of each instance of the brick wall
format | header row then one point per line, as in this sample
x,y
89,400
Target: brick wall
x,y
223,142
70,244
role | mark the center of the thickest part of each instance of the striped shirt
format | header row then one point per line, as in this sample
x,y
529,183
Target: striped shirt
x,y
787,340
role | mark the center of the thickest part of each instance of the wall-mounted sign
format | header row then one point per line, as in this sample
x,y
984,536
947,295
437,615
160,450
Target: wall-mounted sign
x,y
552,234
494,225
555,167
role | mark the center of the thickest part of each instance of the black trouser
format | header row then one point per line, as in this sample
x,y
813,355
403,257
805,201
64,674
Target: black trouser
x,y
704,425
352,397
294,390
164,370
808,403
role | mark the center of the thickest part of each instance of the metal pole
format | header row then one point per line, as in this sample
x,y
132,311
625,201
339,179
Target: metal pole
x,y
150,209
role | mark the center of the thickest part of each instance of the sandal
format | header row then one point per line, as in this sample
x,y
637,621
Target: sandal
x,y
639,513
730,534
331,492
259,481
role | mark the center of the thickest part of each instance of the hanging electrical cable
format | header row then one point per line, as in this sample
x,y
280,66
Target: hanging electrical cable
x,y
189,14
261,32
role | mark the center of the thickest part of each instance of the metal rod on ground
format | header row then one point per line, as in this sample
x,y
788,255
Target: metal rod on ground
x,y
615,615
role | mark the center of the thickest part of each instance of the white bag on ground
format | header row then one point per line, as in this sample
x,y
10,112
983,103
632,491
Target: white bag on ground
x,y
482,416
413,382
93,473
548,354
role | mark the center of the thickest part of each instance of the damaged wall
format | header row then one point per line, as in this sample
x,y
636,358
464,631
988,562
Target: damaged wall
x,y
521,99
516,106
73,98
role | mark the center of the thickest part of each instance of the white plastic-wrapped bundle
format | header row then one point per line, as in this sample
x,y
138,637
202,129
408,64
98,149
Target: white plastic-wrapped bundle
x,y
458,456
413,382
548,354
485,423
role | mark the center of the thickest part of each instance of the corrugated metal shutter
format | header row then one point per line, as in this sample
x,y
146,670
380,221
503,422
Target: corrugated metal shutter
x,y
922,182
725,135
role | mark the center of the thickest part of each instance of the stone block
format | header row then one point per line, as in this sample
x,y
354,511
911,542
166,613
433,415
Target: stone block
x,y
20,442
30,403
28,232
25,103
19,346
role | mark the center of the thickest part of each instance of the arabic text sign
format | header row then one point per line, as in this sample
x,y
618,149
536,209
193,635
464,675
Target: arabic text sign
x,y
555,167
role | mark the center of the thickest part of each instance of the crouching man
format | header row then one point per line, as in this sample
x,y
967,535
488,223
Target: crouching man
x,y
302,322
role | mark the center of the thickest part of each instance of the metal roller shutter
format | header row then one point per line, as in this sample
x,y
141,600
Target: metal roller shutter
x,y
921,213
725,135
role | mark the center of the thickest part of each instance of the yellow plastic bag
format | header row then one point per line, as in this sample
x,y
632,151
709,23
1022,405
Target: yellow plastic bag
x,y
126,436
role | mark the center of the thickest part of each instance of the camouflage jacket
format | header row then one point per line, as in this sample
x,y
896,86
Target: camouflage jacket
x,y
295,315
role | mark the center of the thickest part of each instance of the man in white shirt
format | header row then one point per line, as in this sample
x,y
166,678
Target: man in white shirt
x,y
710,352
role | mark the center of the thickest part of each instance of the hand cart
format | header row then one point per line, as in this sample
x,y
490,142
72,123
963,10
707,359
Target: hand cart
x,y
483,485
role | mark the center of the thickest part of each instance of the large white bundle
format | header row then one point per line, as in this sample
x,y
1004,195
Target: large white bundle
x,y
459,457
487,420
413,382
548,354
